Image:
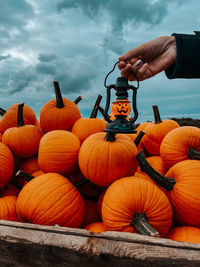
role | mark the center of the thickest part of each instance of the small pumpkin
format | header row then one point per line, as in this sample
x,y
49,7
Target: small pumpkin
x,y
188,234
58,152
96,227
8,208
58,114
6,165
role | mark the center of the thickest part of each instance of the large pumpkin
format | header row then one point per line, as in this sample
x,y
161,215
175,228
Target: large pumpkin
x,y
6,165
131,203
59,113
104,158
58,152
50,199
180,144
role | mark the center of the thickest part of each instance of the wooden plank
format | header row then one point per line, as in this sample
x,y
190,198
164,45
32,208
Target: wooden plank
x,y
36,245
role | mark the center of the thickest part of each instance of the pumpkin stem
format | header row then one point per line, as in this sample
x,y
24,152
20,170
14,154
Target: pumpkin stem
x,y
81,183
26,176
167,183
59,99
110,137
141,224
20,119
95,108
156,114
2,111
139,137
78,99
193,154
106,117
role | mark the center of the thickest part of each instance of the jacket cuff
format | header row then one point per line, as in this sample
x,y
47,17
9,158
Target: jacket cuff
x,y
188,57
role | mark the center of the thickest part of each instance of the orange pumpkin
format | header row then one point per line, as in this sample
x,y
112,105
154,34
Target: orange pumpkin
x,y
180,144
10,190
58,152
155,132
59,113
0,136
104,158
9,117
8,208
188,234
182,184
50,199
96,227
132,204
6,165
22,140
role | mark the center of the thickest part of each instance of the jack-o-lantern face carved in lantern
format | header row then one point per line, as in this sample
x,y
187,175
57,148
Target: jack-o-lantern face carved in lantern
x,y
121,107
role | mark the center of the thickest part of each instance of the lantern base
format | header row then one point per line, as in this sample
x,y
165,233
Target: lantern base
x,y
120,125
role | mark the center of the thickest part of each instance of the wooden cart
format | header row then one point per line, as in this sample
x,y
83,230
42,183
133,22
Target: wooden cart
x,y
23,244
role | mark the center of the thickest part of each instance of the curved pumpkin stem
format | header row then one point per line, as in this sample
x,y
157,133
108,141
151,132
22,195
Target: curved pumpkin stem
x,y
139,137
156,114
59,99
2,111
110,137
165,182
20,119
96,107
26,176
141,224
193,154
81,183
78,99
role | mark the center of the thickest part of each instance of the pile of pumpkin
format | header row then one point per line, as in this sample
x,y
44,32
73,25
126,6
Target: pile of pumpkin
x,y
65,170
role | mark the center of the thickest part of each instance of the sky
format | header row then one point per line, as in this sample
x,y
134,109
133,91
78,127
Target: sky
x,y
77,43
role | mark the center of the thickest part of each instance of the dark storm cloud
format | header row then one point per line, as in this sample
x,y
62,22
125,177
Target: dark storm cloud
x,y
4,57
46,57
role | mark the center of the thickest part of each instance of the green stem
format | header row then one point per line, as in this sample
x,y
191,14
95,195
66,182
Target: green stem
x,y
78,99
165,182
193,154
59,99
2,111
139,137
141,224
156,115
110,137
24,175
20,119
81,183
96,107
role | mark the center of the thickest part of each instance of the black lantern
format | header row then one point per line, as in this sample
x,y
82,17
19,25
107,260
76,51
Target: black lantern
x,y
120,107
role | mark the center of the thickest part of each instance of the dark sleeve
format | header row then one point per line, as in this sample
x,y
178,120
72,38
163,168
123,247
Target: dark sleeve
x,y
188,57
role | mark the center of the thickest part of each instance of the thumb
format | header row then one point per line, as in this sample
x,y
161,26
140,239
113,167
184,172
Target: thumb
x,y
133,53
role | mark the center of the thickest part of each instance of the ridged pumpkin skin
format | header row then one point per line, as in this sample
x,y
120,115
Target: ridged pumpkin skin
x,y
85,127
9,119
23,141
6,165
103,162
58,152
10,190
54,118
175,145
0,136
185,195
8,208
50,199
129,195
96,227
188,234
154,134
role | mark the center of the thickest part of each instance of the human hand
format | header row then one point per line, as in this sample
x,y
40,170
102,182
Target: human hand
x,y
148,59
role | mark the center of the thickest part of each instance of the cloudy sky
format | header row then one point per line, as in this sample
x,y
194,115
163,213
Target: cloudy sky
x,y
77,43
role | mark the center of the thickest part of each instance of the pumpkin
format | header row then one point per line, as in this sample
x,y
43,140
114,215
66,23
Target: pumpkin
x,y
8,208
50,199
9,117
96,227
180,144
0,136
155,132
133,204
104,158
6,165
188,234
182,185
157,163
37,173
22,140
59,113
84,127
58,152
10,190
